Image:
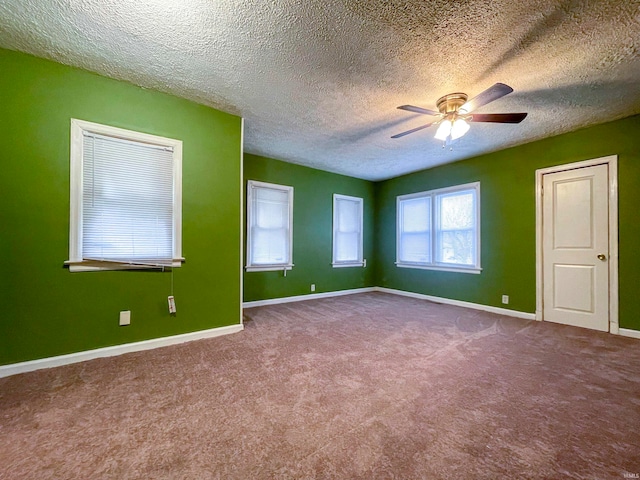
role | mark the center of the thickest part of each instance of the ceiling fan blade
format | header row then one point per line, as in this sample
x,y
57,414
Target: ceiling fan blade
x,y
492,93
424,111
498,117
398,135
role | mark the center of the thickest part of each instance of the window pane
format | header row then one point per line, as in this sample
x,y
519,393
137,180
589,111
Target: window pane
x,y
347,247
415,225
270,226
415,214
457,210
348,216
271,208
270,246
347,229
415,248
456,229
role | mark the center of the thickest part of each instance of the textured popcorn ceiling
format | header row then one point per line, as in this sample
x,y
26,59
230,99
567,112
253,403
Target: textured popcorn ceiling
x,y
318,81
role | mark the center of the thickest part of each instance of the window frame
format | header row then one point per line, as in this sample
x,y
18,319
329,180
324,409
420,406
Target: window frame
x,y
76,262
250,266
433,232
360,262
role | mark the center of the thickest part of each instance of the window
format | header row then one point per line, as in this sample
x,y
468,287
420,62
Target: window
x,y
126,199
269,226
440,229
347,231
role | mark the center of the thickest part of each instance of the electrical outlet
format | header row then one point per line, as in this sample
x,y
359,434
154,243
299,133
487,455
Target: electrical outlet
x,y
313,287
172,304
505,299
125,318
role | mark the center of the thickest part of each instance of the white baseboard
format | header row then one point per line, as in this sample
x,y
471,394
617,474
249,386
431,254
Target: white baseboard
x,y
29,366
460,303
15,368
627,332
311,296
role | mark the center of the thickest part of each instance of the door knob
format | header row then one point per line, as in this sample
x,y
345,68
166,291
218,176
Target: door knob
x,y
602,257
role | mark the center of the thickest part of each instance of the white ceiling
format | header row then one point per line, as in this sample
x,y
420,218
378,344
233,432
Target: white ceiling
x,y
318,81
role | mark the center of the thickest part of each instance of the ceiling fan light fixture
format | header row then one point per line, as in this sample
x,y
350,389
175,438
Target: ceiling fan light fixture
x,y
459,128
452,129
444,130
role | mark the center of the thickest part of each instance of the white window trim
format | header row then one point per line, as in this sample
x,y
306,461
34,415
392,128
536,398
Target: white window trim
x,y
358,263
76,262
443,267
251,184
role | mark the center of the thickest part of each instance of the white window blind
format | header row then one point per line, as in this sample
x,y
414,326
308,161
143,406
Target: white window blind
x,y
347,231
125,199
440,229
415,230
269,226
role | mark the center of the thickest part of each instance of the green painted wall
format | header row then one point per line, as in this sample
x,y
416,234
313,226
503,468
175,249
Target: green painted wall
x,y
312,231
508,218
46,309
49,311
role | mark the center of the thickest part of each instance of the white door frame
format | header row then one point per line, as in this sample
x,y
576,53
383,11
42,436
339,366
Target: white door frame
x,y
612,164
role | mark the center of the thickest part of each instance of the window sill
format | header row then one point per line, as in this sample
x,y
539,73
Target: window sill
x,y
441,268
349,264
106,265
268,268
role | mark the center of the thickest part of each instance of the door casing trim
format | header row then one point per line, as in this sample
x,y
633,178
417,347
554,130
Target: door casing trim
x,y
612,168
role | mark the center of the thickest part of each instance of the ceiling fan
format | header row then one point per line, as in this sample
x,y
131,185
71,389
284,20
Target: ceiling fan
x,y
455,111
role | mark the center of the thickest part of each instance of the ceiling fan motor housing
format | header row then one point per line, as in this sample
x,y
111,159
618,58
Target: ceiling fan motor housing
x,y
451,102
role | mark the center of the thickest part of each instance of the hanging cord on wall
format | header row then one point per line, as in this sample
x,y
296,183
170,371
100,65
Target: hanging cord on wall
x,y
171,299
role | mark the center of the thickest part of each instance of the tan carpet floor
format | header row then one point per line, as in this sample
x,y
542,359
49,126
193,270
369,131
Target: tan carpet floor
x,y
367,386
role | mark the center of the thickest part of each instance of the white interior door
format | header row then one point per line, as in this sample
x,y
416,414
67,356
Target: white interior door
x,y
576,247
